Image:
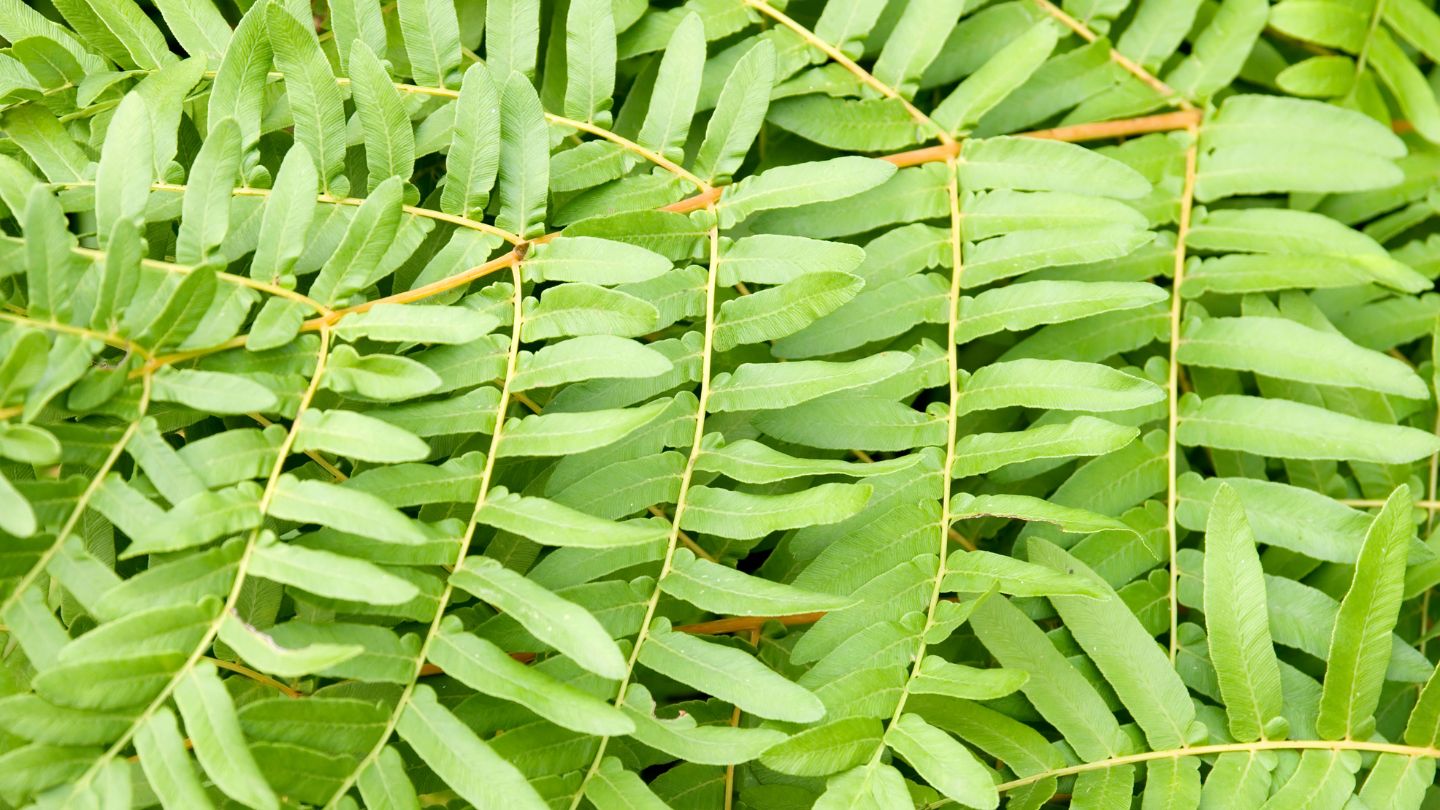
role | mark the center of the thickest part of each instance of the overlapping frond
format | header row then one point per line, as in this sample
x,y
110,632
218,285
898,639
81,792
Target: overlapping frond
x,y
834,404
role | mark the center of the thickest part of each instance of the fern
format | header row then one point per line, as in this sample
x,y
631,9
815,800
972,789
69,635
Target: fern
x,y
835,404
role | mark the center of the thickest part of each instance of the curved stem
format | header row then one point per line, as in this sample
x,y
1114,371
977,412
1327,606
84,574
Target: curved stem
x,y
487,477
686,477
618,140
1172,449
255,675
935,130
242,566
110,340
624,143
1225,748
82,503
1361,58
333,317
957,271
1165,91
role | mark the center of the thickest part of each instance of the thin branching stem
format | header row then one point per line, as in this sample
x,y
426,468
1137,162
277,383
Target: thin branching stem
x,y
1165,91
242,567
952,358
932,129
687,476
82,503
487,479
1224,748
1172,447
256,676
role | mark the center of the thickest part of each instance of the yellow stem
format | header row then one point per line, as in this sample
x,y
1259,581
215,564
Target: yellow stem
x,y
258,677
1165,91
935,130
1225,748
1172,451
487,477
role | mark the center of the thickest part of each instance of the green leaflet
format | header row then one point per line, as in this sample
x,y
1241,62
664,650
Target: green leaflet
x,y
389,140
287,218
463,760
205,217
356,20
396,323
1295,430
314,96
558,622
775,259
683,737
585,358
745,516
210,721
384,783
51,277
1127,656
1277,347
589,61
512,31
558,434
826,749
1056,689
361,249
238,89
19,516
345,509
1235,618
1023,507
783,310
806,184
944,763
1103,788
867,125
615,787
1359,649
261,651
474,157
122,183
168,769
677,88
212,391
979,453
723,590
739,112
727,673
488,669
138,37
936,676
431,34
524,160
356,435
1021,306
552,524
1038,165
1060,384
593,261
914,42
585,309
324,573
1241,153
756,463
997,78
768,386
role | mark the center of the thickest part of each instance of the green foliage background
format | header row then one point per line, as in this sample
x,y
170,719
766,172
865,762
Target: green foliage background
x,y
849,404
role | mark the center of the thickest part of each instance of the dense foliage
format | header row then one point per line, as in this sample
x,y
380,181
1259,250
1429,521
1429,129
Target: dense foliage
x,y
849,404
